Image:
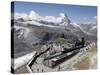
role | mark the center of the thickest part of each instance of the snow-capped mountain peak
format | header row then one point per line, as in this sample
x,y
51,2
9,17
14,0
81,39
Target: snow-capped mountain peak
x,y
75,25
94,27
63,18
33,18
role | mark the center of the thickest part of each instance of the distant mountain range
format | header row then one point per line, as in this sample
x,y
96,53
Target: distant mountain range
x,y
31,29
90,29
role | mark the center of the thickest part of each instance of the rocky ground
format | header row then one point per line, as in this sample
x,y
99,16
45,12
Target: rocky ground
x,y
84,60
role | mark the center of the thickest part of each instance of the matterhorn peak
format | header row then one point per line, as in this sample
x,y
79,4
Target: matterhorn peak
x,y
64,18
63,15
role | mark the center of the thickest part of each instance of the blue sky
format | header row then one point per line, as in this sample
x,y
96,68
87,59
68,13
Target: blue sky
x,y
76,13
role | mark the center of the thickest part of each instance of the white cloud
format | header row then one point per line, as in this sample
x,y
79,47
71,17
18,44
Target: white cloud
x,y
54,19
50,19
90,20
34,16
21,15
95,17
